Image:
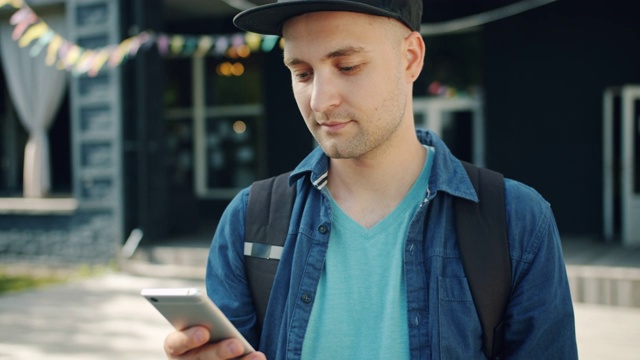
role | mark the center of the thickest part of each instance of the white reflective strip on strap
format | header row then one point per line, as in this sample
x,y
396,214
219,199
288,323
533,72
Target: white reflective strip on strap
x,y
263,251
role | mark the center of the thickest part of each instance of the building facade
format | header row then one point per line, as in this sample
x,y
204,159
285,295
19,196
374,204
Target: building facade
x,y
153,144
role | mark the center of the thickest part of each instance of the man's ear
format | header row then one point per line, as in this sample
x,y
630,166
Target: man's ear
x,y
414,55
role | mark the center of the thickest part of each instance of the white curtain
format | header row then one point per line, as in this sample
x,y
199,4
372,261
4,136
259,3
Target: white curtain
x,y
37,91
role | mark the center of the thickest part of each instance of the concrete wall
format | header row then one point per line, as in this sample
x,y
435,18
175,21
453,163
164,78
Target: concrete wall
x,y
81,238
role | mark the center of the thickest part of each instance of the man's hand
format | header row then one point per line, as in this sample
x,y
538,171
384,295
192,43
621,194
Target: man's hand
x,y
192,344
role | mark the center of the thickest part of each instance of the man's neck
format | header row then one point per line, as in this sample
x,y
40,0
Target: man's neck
x,y
370,187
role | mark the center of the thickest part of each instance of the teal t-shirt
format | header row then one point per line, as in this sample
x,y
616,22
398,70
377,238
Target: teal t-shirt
x,y
360,309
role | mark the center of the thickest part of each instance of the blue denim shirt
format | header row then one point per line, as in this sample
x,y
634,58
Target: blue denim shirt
x,y
442,319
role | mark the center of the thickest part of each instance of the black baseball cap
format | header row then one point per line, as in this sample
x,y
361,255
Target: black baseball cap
x,y
268,19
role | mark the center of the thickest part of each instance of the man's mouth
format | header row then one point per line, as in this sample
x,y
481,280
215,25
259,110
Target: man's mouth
x,y
334,125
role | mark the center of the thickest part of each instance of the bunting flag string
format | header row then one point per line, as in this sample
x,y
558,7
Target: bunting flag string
x,y
31,31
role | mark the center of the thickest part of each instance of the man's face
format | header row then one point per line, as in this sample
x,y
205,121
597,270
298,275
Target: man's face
x,y
348,80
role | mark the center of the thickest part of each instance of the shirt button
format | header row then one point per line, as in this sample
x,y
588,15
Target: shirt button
x,y
306,298
323,229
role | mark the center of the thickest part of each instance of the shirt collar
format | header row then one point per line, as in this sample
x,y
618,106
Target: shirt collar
x,y
447,174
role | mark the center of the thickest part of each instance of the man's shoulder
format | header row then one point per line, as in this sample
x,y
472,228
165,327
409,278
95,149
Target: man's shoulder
x,y
519,196
238,205
530,220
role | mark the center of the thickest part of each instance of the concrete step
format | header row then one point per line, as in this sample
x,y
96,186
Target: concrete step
x,y
169,261
172,254
167,271
605,285
598,273
601,272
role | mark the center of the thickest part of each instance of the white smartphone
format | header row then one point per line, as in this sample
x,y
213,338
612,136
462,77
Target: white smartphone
x,y
187,307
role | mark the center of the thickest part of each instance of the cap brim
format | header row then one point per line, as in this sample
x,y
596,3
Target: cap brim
x,y
268,19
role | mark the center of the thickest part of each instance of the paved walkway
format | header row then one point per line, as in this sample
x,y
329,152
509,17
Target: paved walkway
x,y
106,318
94,319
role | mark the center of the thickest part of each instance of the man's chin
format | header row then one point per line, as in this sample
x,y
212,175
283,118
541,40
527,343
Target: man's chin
x,y
331,151
335,152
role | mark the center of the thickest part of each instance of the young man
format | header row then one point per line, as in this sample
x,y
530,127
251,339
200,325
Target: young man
x,y
372,266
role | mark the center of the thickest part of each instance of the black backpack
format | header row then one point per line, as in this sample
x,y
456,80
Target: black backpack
x,y
482,239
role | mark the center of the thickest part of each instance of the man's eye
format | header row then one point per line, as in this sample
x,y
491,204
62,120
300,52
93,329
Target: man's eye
x,y
302,76
349,69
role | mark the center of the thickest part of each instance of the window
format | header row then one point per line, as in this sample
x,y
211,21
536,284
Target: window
x,y
218,102
13,139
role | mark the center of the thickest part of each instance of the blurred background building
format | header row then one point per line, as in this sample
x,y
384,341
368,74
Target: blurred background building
x,y
141,119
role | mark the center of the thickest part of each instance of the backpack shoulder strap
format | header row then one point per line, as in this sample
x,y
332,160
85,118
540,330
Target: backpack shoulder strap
x,y
267,223
482,238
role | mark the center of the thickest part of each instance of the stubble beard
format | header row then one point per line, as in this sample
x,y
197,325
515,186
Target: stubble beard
x,y
361,140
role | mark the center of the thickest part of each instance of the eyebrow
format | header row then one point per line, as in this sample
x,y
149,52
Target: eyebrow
x,y
342,52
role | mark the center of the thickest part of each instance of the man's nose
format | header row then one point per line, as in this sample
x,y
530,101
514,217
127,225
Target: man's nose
x,y
325,93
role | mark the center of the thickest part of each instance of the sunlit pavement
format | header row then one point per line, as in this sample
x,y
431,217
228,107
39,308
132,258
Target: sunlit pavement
x,y
106,318
607,332
94,319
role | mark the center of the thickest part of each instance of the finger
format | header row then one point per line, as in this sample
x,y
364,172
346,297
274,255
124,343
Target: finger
x,y
232,348
180,342
223,350
255,356
229,349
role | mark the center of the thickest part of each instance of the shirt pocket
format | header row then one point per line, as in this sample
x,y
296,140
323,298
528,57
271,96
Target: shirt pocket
x,y
460,333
